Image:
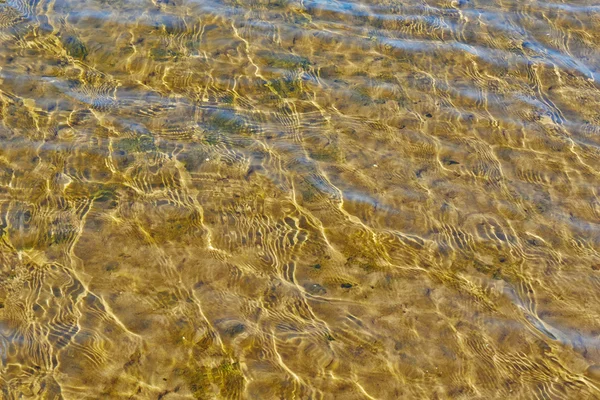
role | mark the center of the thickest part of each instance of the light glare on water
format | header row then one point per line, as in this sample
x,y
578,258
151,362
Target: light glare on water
x,y
287,199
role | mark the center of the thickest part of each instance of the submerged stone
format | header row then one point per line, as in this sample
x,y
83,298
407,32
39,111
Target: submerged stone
x,y
75,47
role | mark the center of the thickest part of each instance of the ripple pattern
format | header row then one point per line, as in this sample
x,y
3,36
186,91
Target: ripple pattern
x,y
299,199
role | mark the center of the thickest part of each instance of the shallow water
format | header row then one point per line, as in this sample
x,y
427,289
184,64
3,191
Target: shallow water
x,y
299,199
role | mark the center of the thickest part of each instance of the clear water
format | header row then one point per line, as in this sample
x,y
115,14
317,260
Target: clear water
x,y
299,199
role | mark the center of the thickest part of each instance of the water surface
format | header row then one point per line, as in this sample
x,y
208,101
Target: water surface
x,y
374,199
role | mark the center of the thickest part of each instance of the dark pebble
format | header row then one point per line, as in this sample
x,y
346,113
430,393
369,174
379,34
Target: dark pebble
x,y
315,288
